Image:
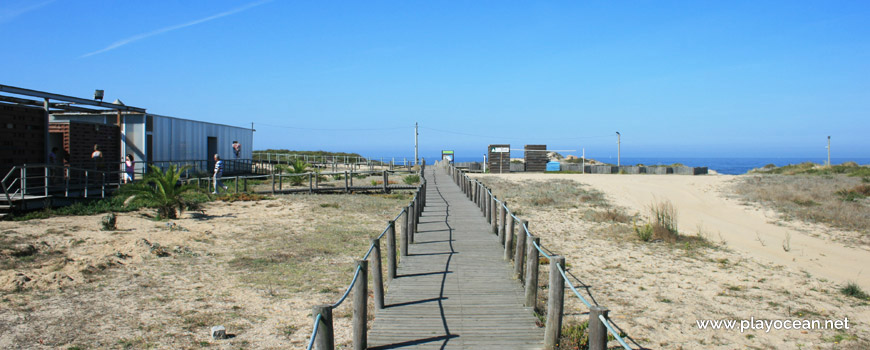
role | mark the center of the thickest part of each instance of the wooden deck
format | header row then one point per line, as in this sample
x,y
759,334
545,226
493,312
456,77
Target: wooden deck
x,y
455,291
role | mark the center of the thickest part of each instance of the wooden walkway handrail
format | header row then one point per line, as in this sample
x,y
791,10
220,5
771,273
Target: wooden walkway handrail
x,y
502,222
323,336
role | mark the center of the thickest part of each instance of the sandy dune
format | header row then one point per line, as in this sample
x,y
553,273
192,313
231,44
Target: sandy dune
x,y
702,201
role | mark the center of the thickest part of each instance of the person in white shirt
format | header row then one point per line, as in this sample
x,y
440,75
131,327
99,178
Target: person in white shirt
x,y
218,173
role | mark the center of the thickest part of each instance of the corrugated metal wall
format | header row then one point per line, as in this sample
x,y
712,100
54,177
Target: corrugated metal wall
x,y
187,140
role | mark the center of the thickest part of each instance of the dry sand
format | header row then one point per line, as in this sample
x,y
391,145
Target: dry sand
x,y
255,267
657,291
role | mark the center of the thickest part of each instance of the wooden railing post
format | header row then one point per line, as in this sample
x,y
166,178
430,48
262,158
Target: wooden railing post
x,y
494,214
325,338
509,238
487,207
246,184
403,236
555,303
392,265
532,272
280,182
237,184
520,250
346,182
597,331
386,182
412,213
310,184
360,309
377,274
273,184
502,215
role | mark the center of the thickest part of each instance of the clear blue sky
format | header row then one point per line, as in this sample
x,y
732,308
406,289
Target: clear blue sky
x,y
692,78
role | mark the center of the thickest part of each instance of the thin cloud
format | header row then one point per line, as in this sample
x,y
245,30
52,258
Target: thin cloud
x,y
134,38
7,15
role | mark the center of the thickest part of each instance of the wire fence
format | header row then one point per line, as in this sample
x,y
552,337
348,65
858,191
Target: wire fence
x,y
483,196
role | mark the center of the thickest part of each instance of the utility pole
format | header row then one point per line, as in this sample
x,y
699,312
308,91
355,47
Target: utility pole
x,y
618,145
829,151
416,157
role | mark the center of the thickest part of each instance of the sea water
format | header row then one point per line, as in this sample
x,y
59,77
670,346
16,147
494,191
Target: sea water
x,y
732,166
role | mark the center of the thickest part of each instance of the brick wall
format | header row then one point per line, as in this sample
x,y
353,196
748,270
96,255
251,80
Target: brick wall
x,y
536,160
498,162
22,136
79,139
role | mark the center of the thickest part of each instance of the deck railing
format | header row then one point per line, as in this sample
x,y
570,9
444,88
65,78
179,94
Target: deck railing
x,y
322,336
525,251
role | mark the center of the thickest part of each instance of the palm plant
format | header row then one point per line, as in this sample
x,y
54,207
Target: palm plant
x,y
161,190
298,166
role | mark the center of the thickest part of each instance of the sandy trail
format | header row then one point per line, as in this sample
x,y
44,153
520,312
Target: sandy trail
x,y
701,202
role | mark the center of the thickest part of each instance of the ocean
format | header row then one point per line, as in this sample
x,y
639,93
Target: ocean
x,y
732,166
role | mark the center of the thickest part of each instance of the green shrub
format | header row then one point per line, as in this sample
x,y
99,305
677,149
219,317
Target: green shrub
x,y
298,166
108,222
853,290
411,179
644,233
162,191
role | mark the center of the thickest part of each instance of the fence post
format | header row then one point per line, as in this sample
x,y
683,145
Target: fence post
x,y
487,203
325,338
597,331
360,309
45,181
509,238
403,236
246,184
555,303
273,183
391,250
310,184
280,182
520,249
494,214
412,219
346,186
386,182
237,184
532,273
502,215
377,274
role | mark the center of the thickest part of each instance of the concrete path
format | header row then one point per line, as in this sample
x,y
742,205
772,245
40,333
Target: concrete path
x,y
455,291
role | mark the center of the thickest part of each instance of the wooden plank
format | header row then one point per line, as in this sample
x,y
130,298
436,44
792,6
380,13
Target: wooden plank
x,y
454,290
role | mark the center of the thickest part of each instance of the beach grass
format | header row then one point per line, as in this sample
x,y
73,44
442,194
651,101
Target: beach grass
x,y
837,200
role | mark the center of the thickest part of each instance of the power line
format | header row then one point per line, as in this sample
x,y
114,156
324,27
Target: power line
x,y
335,129
514,138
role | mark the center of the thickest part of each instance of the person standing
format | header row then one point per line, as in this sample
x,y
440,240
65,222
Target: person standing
x,y
218,173
237,149
97,157
129,170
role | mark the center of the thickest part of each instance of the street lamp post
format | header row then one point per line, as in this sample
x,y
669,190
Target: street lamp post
x,y
829,151
618,146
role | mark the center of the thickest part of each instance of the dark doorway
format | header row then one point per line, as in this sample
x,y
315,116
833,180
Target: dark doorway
x,y
212,150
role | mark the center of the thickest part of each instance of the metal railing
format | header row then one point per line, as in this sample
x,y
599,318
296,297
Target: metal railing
x,y
528,246
322,336
274,157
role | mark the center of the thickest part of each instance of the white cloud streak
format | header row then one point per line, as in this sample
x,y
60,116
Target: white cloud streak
x,y
7,15
138,37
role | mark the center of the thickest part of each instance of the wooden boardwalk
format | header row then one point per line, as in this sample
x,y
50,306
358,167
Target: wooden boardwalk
x,y
455,291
